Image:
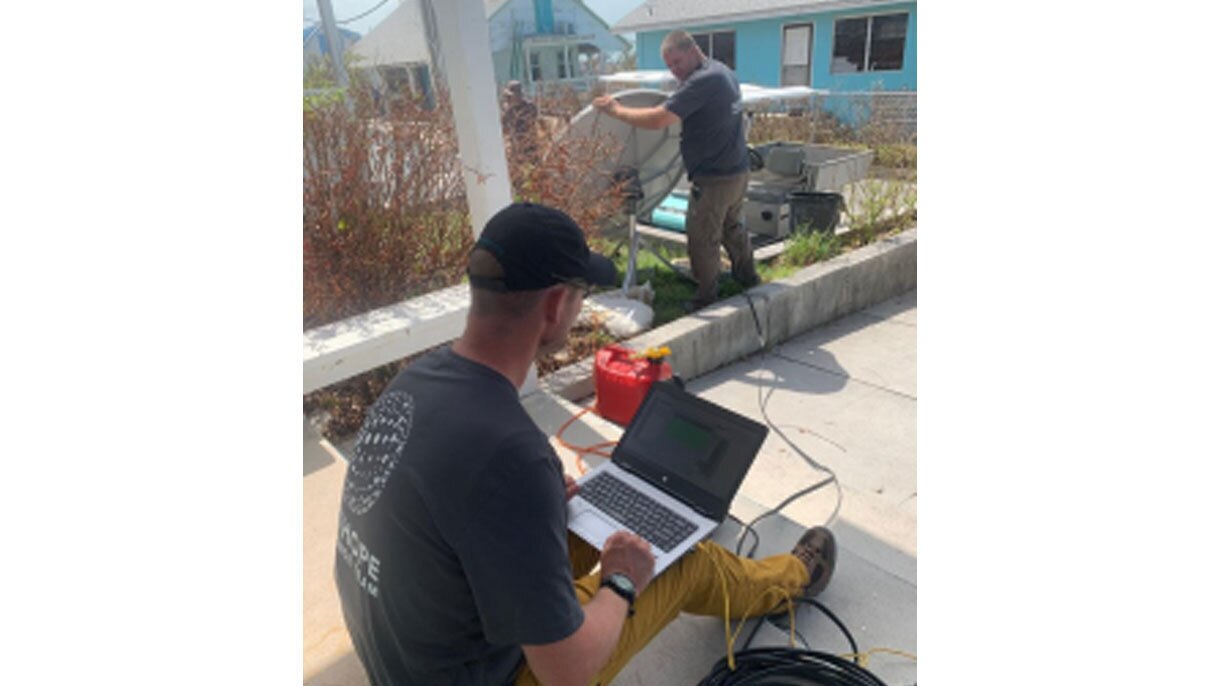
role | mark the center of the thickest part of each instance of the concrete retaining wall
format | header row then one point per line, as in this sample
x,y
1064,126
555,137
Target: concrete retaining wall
x,y
725,331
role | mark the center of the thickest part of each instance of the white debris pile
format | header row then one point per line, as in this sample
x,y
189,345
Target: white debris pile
x,y
622,315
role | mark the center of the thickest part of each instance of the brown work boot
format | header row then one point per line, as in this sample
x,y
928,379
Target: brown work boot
x,y
817,551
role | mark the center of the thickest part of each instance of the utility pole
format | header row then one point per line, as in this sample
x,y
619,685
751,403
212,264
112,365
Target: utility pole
x,y
333,41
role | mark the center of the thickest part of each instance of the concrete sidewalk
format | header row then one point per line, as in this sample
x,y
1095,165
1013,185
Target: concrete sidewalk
x,y
845,394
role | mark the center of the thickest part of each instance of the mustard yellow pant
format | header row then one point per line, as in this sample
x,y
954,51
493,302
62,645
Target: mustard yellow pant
x,y
692,584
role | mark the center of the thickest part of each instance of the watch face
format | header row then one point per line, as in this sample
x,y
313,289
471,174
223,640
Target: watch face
x,y
624,582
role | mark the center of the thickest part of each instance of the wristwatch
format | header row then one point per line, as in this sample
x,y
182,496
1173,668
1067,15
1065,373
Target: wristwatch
x,y
623,587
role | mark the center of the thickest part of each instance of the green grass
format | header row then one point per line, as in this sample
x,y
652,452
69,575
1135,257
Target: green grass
x,y
804,249
671,290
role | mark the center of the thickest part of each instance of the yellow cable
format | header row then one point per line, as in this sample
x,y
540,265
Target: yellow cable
x,y
869,653
730,637
791,615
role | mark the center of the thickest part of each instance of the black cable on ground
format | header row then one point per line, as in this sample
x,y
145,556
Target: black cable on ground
x,y
789,667
851,641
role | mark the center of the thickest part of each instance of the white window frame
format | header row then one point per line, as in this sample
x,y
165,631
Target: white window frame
x,y
868,42
783,33
534,62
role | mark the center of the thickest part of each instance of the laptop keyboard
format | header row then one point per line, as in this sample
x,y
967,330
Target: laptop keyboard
x,y
649,519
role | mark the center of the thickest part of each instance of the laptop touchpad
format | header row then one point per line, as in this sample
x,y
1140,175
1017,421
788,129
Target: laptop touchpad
x,y
593,527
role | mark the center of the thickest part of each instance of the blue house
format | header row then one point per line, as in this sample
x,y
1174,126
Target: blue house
x,y
536,42
315,44
842,46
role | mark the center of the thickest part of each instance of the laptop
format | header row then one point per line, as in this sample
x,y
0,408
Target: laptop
x,y
671,477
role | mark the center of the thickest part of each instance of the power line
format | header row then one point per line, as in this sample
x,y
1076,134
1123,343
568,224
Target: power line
x,y
363,14
349,20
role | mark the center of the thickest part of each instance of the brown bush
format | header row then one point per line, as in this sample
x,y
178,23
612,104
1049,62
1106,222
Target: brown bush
x,y
385,213
384,206
569,173
766,127
876,119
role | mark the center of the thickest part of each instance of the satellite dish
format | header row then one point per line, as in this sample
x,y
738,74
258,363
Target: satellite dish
x,y
653,154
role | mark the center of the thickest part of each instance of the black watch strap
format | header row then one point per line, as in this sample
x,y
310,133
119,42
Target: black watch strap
x,y
624,591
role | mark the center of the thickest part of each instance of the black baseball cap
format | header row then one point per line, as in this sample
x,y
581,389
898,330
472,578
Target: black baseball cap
x,y
537,247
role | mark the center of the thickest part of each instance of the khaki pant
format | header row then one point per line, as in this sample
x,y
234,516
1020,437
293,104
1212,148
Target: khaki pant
x,y
713,218
692,584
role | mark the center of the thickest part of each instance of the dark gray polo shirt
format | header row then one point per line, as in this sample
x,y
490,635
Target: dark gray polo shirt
x,y
713,126
452,548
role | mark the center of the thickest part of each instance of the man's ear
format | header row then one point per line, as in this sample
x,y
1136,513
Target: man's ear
x,y
552,303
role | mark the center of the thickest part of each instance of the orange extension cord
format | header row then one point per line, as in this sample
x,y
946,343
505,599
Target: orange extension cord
x,y
595,449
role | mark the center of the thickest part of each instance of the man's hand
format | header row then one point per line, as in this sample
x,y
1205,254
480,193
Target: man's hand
x,y
631,555
570,487
657,117
577,658
606,103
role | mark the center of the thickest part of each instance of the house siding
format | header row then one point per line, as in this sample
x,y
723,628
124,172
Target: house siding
x,y
558,13
759,43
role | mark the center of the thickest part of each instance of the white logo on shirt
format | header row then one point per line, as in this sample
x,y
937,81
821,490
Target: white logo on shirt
x,y
366,567
378,447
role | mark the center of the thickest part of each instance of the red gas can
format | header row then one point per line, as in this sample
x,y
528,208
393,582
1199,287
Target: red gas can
x,y
622,378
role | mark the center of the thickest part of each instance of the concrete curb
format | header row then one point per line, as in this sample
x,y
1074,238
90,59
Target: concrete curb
x,y
725,332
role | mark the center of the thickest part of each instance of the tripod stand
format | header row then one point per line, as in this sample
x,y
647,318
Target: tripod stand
x,y
628,180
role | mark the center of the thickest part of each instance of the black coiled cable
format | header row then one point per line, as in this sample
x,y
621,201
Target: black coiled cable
x,y
778,666
789,666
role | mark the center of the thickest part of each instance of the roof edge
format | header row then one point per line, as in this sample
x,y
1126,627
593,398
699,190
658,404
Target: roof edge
x,y
598,17
834,5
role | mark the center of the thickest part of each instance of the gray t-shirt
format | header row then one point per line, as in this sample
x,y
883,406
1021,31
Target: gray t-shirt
x,y
452,548
713,127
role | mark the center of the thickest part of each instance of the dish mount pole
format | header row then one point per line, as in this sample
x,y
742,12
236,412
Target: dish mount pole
x,y
627,179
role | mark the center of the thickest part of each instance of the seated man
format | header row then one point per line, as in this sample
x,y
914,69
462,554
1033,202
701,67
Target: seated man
x,y
454,565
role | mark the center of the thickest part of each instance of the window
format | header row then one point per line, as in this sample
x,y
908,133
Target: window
x,y
869,43
721,45
796,49
423,84
535,67
397,79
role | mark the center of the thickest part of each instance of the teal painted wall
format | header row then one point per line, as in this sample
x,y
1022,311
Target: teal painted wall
x,y
759,44
544,16
648,50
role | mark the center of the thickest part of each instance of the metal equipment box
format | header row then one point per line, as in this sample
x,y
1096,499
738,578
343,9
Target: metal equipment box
x,y
829,168
766,211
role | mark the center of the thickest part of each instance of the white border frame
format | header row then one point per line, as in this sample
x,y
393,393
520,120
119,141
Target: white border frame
x,y
813,28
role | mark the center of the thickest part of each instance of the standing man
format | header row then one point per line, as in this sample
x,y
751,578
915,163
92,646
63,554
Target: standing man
x,y
519,117
453,562
708,103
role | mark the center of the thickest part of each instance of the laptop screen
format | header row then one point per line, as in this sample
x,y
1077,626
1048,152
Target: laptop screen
x,y
692,448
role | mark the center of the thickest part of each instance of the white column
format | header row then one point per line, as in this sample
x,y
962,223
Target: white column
x,y
465,54
465,48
